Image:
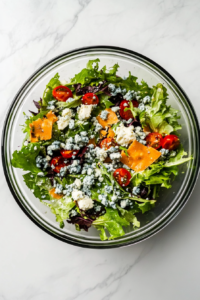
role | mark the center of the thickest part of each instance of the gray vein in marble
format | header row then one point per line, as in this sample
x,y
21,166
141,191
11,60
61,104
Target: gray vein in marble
x,y
59,37
111,278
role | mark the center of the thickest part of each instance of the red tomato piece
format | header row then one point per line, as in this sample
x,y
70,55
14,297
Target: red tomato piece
x,y
107,143
154,140
58,163
122,176
125,104
170,142
90,99
62,93
68,153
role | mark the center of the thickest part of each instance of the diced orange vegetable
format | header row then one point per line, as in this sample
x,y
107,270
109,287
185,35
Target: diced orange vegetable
x,y
111,133
146,129
51,116
92,141
112,119
54,195
107,160
103,133
41,129
140,157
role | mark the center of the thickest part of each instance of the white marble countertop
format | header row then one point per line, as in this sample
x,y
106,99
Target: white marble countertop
x,y
33,265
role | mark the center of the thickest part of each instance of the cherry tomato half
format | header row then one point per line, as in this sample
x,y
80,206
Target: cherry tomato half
x,y
154,140
125,104
122,176
170,142
58,163
62,93
90,99
107,143
68,153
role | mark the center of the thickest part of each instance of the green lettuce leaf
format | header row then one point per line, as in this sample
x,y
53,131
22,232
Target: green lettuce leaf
x,y
26,127
102,232
130,83
61,209
93,64
112,222
129,216
71,104
47,95
144,207
25,158
40,186
91,75
124,149
163,172
86,126
158,116
155,174
178,159
88,74
103,99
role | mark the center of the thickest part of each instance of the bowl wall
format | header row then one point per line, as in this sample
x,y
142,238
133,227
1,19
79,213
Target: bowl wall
x,y
170,201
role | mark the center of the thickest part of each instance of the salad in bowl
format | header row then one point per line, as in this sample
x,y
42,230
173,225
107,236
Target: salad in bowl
x,y
99,148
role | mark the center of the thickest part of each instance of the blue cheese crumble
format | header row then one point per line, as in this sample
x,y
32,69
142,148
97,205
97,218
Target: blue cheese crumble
x,y
104,115
142,107
136,190
146,99
53,147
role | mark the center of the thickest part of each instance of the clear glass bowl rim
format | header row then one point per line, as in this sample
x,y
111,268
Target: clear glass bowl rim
x,y
165,221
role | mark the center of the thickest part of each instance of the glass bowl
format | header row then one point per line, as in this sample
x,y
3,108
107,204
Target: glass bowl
x,y
170,202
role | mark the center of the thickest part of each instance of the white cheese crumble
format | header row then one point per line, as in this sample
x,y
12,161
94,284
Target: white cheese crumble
x,y
78,183
84,202
41,174
115,156
125,135
76,194
63,82
26,143
97,173
115,108
65,119
67,112
85,112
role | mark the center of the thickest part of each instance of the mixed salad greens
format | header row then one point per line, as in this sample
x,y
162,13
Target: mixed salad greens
x,y
99,149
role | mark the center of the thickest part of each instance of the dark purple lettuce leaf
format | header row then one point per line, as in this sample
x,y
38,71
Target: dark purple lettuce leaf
x,y
116,99
38,105
34,113
51,174
91,89
105,90
82,152
90,216
81,222
135,122
144,192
